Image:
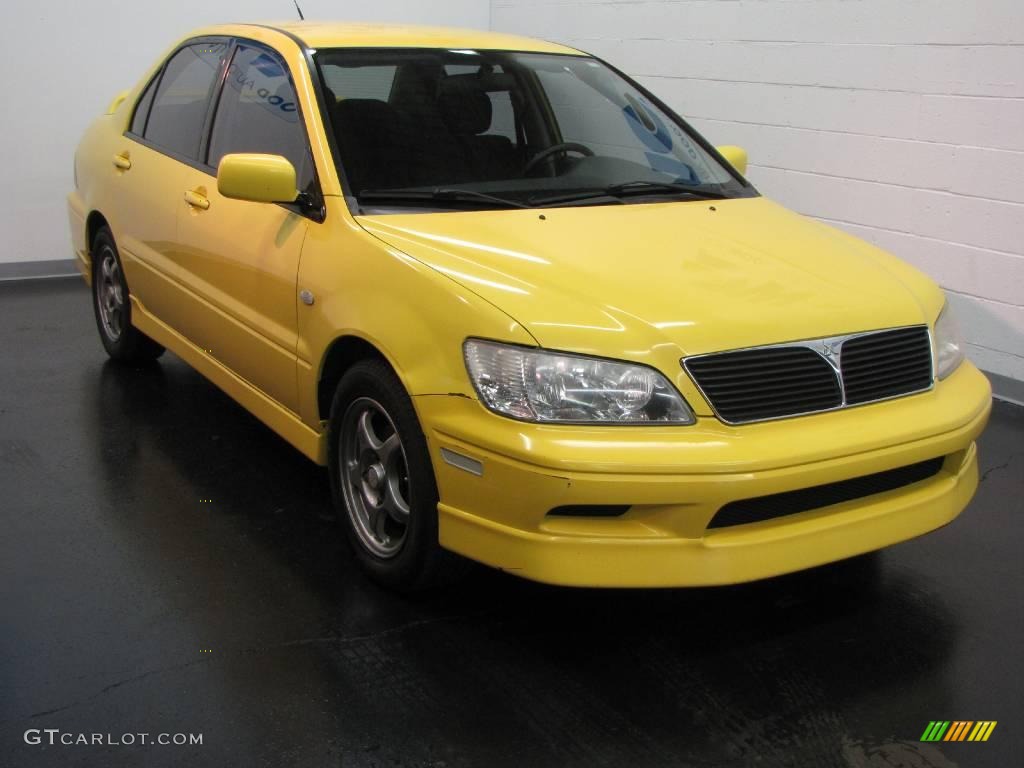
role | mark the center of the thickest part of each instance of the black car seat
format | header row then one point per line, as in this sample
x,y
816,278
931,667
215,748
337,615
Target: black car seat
x,y
467,111
376,144
437,156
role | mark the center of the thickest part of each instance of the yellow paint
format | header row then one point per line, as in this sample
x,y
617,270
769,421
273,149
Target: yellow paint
x,y
116,102
736,156
257,178
645,282
330,34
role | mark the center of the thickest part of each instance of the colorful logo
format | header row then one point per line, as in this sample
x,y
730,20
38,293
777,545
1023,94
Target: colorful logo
x,y
959,730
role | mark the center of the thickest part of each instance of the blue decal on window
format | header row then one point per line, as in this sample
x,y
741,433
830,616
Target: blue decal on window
x,y
666,164
268,66
648,127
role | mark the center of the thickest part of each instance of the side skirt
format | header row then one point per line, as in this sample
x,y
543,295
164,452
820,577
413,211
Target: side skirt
x,y
285,423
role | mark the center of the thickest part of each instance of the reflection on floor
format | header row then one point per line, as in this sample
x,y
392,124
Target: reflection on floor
x,y
167,565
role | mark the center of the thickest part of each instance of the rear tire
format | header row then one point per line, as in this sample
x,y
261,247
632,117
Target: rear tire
x,y
112,305
383,482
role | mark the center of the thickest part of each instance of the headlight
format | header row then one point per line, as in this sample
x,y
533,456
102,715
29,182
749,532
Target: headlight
x,y
537,385
949,346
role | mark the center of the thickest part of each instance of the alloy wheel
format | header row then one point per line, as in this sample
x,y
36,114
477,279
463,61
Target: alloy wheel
x,y
374,477
110,298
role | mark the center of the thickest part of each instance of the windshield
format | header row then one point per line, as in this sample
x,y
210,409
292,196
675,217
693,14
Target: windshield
x,y
455,129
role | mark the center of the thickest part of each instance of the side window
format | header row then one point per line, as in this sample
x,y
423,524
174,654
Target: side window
x,y
370,82
258,112
503,122
462,69
142,107
179,108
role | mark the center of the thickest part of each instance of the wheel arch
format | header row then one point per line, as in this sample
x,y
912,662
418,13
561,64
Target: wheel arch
x,y
340,355
94,222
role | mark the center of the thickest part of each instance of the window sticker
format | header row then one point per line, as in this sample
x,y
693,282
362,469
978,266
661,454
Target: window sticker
x,y
263,80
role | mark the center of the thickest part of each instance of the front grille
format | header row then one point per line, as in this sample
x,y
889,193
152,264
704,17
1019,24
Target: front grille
x,y
887,364
763,508
766,383
781,380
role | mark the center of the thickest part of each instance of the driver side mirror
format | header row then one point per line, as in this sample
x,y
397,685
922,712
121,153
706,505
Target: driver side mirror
x,y
737,157
257,178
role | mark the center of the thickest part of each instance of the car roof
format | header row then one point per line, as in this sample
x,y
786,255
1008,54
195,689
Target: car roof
x,y
336,34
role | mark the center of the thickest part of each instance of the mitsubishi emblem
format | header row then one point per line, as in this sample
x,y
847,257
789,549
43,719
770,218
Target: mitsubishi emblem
x,y
830,351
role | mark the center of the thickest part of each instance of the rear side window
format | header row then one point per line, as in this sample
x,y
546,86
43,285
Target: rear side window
x,y
142,108
258,112
179,108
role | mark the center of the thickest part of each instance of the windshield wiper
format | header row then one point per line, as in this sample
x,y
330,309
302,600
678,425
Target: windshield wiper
x,y
628,188
641,187
613,192
439,194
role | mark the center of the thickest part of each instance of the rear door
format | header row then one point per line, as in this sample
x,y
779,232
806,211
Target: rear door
x,y
242,258
163,139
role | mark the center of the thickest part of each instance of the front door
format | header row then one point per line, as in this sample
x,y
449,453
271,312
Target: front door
x,y
243,257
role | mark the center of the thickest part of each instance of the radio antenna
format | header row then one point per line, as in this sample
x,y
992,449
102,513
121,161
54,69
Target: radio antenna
x,y
301,17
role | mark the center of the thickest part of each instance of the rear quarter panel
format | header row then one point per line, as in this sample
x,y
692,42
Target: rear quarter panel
x,y
94,174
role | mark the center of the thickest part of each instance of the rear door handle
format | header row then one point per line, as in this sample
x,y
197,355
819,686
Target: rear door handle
x,y
197,200
122,161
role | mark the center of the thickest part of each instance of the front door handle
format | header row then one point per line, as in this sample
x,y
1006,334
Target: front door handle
x,y
122,161
197,199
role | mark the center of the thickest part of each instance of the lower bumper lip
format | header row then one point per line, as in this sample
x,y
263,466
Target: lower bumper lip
x,y
585,557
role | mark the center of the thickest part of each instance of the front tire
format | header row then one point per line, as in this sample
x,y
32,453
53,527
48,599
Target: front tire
x,y
383,482
112,305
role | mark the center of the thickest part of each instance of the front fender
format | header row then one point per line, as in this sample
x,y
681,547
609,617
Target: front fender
x,y
415,316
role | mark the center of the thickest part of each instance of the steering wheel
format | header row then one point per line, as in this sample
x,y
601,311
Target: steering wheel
x,y
557,149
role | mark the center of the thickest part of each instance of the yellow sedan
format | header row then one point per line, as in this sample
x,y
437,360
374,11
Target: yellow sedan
x,y
521,310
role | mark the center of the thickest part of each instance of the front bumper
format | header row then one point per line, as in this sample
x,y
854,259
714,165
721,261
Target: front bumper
x,y
674,479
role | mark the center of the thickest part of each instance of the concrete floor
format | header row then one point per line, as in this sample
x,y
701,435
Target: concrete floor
x,y
166,566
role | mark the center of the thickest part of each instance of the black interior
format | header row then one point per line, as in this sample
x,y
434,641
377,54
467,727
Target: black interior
x,y
432,131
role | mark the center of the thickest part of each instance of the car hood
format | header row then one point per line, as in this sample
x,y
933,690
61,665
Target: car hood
x,y
620,280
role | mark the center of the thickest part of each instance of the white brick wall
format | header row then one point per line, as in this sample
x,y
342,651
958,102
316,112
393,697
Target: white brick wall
x,y
901,121
65,60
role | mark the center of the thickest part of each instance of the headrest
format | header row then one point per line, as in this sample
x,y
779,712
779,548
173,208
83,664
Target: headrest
x,y
464,104
364,114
